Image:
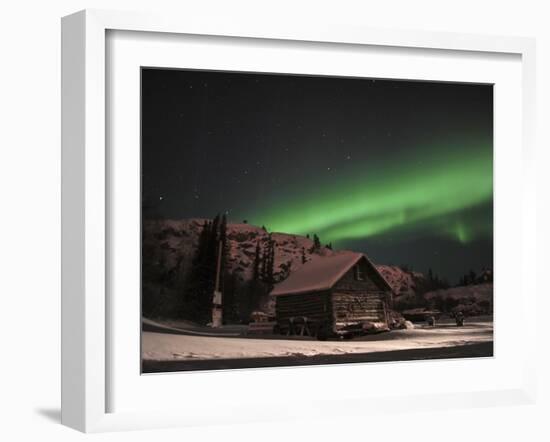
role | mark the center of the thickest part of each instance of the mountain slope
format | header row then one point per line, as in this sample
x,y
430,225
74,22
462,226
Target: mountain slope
x,y
173,243
168,248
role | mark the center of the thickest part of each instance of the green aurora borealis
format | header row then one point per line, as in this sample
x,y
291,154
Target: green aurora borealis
x,y
400,170
426,191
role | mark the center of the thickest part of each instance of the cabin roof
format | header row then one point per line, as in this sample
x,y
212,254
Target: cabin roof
x,y
322,273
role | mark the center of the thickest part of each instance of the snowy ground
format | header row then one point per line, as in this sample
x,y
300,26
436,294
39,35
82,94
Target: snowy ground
x,y
164,346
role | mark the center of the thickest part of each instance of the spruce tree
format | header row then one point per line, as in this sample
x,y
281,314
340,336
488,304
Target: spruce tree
x,y
268,260
254,289
228,282
316,242
210,267
257,263
265,262
270,268
222,239
196,286
473,277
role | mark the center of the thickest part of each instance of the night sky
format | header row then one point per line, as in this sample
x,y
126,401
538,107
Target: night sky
x,y
400,170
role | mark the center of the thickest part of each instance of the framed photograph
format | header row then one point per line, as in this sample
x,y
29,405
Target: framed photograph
x,y
266,199
273,208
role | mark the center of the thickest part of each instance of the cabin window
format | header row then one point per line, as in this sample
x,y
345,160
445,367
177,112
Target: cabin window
x,y
359,273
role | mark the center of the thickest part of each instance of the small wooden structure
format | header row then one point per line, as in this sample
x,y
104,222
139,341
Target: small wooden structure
x,y
261,324
261,328
259,316
340,294
421,314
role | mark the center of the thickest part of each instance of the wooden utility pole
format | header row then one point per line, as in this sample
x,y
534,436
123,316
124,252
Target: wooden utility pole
x,y
217,306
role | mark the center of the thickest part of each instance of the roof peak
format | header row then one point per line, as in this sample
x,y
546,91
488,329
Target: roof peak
x,y
322,272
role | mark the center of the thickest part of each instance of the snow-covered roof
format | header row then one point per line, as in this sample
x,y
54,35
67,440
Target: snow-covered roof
x,y
322,273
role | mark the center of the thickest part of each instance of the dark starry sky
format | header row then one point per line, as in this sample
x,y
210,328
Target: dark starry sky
x,y
400,170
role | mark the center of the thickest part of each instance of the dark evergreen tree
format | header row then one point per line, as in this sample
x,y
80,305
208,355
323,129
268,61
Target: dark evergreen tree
x,y
228,281
224,243
270,268
257,263
223,228
304,258
264,261
316,242
200,286
472,277
268,261
197,283
211,266
230,297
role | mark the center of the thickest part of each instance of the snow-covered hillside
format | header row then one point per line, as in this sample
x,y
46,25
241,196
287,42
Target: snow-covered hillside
x,y
169,247
403,283
174,242
478,292
470,299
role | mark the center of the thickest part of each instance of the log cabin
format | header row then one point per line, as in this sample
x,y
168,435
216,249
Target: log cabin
x,y
341,294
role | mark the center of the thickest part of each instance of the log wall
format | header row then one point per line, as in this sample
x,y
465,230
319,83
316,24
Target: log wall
x,y
355,308
314,306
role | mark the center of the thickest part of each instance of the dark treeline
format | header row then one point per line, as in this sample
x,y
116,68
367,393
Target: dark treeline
x,y
446,304
433,282
187,293
472,278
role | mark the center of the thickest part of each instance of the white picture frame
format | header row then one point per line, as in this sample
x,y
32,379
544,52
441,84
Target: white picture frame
x,y
86,203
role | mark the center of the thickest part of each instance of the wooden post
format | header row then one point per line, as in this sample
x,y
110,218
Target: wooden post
x,y
217,307
218,266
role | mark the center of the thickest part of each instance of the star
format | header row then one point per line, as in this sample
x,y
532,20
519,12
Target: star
x,y
161,198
